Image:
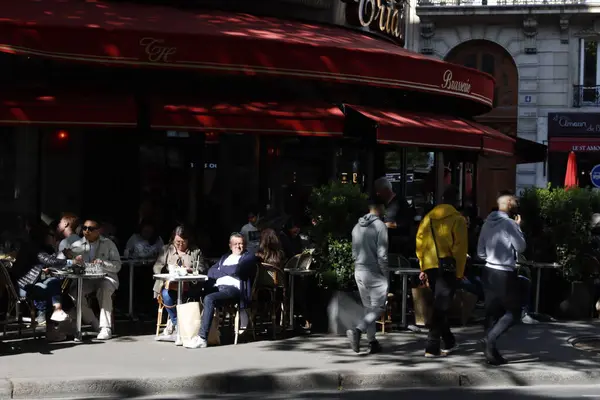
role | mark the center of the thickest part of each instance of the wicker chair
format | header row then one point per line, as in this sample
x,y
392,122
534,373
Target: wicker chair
x,y
14,302
270,283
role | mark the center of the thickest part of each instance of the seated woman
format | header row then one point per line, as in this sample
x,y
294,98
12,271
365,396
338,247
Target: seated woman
x,y
182,252
31,272
144,244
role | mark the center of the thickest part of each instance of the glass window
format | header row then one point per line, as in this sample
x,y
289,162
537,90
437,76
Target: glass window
x,y
488,64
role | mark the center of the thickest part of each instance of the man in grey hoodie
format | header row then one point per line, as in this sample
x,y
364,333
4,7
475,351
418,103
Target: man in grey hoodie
x,y
370,253
500,242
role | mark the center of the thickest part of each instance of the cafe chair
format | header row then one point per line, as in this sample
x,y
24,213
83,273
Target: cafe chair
x,y
14,303
161,311
269,289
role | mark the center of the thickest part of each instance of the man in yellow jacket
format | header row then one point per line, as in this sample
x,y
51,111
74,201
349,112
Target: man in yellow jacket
x,y
442,245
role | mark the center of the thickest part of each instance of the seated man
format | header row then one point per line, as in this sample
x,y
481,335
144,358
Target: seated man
x,y
101,251
229,279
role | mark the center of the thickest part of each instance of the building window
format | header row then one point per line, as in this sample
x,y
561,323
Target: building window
x,y
471,61
488,63
589,78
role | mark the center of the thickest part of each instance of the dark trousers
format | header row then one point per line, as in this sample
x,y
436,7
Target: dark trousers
x,y
443,286
212,301
502,302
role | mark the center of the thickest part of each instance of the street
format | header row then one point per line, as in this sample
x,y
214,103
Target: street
x,y
528,393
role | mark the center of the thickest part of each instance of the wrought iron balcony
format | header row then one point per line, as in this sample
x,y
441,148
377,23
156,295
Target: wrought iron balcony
x,y
586,96
486,3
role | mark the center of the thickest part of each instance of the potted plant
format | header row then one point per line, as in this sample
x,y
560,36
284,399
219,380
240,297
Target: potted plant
x,y
557,226
335,209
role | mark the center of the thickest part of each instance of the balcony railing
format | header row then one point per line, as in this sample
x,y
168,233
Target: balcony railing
x,y
485,3
586,96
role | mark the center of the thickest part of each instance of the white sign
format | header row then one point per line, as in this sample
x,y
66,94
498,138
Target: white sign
x,y
455,86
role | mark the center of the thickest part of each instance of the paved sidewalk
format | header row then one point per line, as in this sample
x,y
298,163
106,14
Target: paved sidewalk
x,y
132,366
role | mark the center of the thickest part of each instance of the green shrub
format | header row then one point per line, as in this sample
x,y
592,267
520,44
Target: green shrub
x,y
335,209
556,223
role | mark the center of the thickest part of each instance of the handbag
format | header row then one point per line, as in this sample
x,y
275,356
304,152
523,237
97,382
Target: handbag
x,y
446,264
189,321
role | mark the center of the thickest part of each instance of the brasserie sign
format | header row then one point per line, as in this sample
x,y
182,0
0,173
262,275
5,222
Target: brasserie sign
x,y
385,16
574,124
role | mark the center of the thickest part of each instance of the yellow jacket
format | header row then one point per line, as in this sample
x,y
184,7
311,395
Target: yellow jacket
x,y
451,237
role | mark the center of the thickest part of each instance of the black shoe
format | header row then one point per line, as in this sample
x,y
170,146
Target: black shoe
x,y
353,336
374,347
449,345
493,357
433,351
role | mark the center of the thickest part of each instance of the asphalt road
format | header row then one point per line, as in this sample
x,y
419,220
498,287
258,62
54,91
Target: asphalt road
x,y
526,393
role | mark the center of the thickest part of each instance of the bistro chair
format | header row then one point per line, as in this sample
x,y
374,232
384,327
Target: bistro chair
x,y
14,302
269,284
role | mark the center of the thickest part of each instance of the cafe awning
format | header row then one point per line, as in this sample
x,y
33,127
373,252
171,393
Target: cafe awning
x,y
304,119
436,131
146,36
528,151
60,108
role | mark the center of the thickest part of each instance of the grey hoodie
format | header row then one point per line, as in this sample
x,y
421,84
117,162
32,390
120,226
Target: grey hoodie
x,y
500,242
370,244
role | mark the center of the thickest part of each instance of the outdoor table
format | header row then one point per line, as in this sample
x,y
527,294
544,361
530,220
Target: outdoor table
x,y
293,272
132,263
180,280
405,272
80,278
538,280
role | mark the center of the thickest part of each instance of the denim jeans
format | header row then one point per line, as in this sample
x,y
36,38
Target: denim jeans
x,y
47,292
443,285
525,286
502,302
170,301
211,301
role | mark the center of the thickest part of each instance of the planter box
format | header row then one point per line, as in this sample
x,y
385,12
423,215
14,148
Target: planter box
x,y
344,311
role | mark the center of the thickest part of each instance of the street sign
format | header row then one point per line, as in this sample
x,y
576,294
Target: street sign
x,y
595,176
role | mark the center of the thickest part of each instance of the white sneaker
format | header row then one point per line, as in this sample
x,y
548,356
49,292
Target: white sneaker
x,y
59,316
195,343
169,329
105,334
178,341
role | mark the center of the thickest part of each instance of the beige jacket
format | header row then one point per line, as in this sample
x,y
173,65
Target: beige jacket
x,y
169,256
107,252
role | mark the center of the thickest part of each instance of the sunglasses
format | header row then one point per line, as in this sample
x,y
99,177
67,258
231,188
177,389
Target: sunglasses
x,y
89,228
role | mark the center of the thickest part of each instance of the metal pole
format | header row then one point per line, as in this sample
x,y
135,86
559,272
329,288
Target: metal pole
x,y
130,289
291,301
78,335
404,298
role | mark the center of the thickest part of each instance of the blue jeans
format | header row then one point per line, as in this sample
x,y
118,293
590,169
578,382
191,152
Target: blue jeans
x,y
211,301
47,292
525,285
170,300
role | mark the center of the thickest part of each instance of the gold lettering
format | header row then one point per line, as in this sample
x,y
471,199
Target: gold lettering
x,y
455,86
386,14
155,49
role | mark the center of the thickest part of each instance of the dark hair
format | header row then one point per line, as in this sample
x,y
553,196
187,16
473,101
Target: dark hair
x,y
184,232
450,195
146,222
290,223
269,249
39,233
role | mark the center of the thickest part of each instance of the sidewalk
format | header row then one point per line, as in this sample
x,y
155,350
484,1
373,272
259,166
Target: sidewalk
x,y
131,366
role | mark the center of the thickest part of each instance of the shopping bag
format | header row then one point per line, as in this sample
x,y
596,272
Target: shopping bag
x,y
188,320
463,306
423,305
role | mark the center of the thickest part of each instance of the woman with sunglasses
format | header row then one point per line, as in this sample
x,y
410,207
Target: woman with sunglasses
x,y
182,252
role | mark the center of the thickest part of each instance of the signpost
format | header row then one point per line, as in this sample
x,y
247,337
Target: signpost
x,y
595,176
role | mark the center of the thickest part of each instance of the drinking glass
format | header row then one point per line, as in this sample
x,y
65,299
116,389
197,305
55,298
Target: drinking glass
x,y
195,267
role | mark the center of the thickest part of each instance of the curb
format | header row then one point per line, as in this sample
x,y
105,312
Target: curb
x,y
236,383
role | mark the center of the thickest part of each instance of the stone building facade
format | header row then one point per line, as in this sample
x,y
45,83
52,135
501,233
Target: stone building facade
x,y
534,49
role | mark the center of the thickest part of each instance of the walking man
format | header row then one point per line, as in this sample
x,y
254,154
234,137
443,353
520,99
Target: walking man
x,y
369,250
442,244
500,243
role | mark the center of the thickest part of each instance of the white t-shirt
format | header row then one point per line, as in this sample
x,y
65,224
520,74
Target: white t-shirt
x,y
229,280
252,236
66,244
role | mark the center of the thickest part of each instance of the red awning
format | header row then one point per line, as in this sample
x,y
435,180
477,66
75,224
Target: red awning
x,y
439,131
65,109
220,42
317,119
563,144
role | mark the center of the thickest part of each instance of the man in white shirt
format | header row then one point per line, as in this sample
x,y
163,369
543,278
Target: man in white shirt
x,y
66,230
251,233
231,283
101,251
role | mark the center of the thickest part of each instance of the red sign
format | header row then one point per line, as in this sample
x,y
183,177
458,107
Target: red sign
x,y
574,144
